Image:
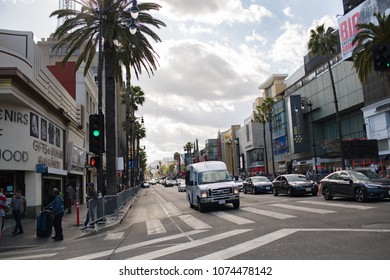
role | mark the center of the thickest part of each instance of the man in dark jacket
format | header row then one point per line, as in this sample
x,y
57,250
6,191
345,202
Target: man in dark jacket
x,y
57,207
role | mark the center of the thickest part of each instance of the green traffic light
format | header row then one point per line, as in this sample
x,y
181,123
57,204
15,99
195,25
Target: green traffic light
x,y
96,133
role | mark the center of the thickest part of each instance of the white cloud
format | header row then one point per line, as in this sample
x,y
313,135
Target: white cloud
x,y
287,12
213,11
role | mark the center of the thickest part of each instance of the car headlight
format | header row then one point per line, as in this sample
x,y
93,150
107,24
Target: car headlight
x,y
203,194
236,191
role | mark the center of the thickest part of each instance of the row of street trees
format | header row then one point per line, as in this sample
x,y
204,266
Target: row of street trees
x,y
110,19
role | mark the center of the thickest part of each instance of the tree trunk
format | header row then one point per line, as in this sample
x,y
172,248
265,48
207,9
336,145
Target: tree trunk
x,y
109,67
338,123
265,150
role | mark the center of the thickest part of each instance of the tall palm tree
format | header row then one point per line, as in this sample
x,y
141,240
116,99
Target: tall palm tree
x,y
188,148
369,35
80,32
133,98
263,115
324,42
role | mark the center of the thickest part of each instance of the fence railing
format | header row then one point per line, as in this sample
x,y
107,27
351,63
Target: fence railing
x,y
108,206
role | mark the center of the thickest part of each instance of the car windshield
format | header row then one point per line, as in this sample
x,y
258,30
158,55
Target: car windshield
x,y
296,178
370,174
358,175
259,179
213,177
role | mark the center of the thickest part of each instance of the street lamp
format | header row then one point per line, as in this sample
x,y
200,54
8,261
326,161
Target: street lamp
x,y
134,11
303,104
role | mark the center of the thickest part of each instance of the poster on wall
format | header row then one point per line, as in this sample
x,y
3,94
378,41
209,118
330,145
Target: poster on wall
x,y
364,13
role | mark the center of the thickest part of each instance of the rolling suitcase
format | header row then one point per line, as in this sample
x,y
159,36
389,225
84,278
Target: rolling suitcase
x,y
44,224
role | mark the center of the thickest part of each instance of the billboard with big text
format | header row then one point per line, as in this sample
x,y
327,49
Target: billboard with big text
x,y
364,13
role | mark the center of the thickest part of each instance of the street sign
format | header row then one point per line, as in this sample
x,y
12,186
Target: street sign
x,y
41,168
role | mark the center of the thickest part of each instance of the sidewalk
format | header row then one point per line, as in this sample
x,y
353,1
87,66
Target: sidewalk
x,y
70,228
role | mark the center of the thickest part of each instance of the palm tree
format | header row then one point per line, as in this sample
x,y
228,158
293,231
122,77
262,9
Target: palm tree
x,y
263,115
188,148
369,35
80,32
133,97
324,42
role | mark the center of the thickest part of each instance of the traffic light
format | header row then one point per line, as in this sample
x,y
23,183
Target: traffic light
x,y
96,133
381,57
93,161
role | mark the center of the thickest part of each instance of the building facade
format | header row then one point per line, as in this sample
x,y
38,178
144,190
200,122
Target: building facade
x,y
41,140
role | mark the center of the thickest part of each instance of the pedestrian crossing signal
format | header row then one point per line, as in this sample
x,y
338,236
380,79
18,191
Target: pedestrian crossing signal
x,y
93,161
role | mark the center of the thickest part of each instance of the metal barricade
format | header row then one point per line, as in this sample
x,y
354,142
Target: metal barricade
x,y
110,205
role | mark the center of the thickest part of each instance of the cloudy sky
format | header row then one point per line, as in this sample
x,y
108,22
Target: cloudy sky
x,y
214,55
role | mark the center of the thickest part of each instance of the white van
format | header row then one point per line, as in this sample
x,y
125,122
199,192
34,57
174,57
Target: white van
x,y
209,183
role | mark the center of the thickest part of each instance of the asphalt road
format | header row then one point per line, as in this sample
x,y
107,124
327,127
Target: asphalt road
x,y
162,226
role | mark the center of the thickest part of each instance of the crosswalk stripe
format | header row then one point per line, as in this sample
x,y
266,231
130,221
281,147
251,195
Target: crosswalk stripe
x,y
306,209
34,256
232,218
268,213
188,245
334,204
248,246
114,236
155,227
194,222
136,245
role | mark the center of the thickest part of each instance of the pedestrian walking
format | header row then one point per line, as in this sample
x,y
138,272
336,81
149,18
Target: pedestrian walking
x,y
3,210
91,202
57,207
19,208
69,196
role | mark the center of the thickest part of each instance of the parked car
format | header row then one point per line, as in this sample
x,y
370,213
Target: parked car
x,y
257,184
181,185
145,184
353,184
294,184
239,183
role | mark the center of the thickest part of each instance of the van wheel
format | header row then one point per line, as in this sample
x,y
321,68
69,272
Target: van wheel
x,y
236,204
201,207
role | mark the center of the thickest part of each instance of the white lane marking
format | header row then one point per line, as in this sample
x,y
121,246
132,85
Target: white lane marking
x,y
194,222
188,245
333,204
306,209
268,238
248,245
268,213
137,245
34,256
155,227
232,218
114,236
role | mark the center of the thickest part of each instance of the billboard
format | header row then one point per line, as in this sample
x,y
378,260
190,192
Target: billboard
x,y
364,13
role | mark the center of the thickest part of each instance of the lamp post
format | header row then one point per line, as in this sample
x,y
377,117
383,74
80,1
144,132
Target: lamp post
x,y
134,11
310,105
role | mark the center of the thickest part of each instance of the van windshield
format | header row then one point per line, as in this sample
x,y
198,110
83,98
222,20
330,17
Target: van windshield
x,y
213,177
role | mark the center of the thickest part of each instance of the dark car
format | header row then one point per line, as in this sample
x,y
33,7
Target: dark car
x,y
257,184
293,184
353,184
